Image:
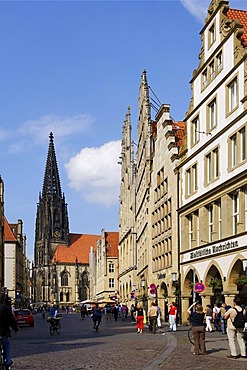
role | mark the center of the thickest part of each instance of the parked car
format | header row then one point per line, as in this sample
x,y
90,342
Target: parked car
x,y
23,316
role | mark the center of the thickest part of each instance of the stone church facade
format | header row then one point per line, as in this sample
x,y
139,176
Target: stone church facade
x,y
61,270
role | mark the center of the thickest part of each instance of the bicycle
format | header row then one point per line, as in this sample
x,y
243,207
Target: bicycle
x,y
55,325
190,335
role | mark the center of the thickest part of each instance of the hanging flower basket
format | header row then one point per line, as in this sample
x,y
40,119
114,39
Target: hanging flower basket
x,y
241,281
215,283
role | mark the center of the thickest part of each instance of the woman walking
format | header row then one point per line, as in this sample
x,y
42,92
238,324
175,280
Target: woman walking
x,y
198,329
139,318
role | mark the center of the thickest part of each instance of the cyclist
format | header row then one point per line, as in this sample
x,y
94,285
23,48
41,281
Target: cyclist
x,y
97,315
7,321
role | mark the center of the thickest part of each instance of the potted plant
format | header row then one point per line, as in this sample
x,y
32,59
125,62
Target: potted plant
x,y
241,281
215,283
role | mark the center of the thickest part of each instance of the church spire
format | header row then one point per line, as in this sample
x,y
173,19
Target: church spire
x,y
51,184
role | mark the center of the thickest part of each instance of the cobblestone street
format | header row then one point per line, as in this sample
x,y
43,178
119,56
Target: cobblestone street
x,y
115,346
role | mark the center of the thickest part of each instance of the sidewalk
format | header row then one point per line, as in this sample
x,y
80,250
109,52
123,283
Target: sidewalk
x,y
179,353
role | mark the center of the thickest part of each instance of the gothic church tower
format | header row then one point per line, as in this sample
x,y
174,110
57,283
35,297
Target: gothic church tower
x,y
52,228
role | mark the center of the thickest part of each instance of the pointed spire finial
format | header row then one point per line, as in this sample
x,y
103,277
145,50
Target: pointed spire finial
x,y
51,136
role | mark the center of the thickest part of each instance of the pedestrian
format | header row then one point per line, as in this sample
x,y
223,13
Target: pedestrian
x,y
172,308
216,317
132,312
159,316
234,334
139,318
124,311
208,316
83,311
152,317
222,319
198,328
115,312
108,310
7,321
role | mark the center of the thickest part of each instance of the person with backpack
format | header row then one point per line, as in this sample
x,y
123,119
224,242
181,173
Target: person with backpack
x,y
235,322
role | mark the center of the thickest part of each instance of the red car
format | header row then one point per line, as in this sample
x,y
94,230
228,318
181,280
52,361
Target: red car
x,y
23,316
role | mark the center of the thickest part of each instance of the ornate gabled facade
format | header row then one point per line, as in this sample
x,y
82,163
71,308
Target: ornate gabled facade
x,y
16,264
212,168
127,230
105,280
143,184
52,227
164,251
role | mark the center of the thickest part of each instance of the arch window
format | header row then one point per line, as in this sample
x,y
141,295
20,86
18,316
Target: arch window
x,y
64,279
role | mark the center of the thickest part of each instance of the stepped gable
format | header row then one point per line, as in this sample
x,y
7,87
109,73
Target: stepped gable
x,y
8,233
241,16
79,248
112,239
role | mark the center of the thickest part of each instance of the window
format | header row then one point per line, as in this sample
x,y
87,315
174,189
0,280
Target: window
x,y
204,77
235,212
232,95
193,220
210,223
211,68
195,131
237,148
111,267
191,180
234,150
212,115
212,165
218,214
219,62
211,39
64,279
111,283
243,142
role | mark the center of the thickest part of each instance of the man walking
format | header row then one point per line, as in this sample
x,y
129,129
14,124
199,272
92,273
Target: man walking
x,y
233,333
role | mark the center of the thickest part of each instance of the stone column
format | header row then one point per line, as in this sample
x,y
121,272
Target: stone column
x,y
229,298
184,308
206,299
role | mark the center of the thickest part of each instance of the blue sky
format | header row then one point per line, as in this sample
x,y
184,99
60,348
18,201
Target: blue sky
x,y
73,68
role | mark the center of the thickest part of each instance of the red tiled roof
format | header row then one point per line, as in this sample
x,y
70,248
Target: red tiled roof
x,y
241,16
112,239
179,129
8,233
79,247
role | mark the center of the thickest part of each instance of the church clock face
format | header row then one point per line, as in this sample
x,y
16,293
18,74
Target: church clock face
x,y
56,234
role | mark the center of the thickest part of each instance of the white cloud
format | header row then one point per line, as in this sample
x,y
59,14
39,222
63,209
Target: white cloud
x,y
198,8
60,126
38,130
95,173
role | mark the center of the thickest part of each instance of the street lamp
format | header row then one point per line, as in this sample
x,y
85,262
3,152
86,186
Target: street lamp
x,y
174,277
244,262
